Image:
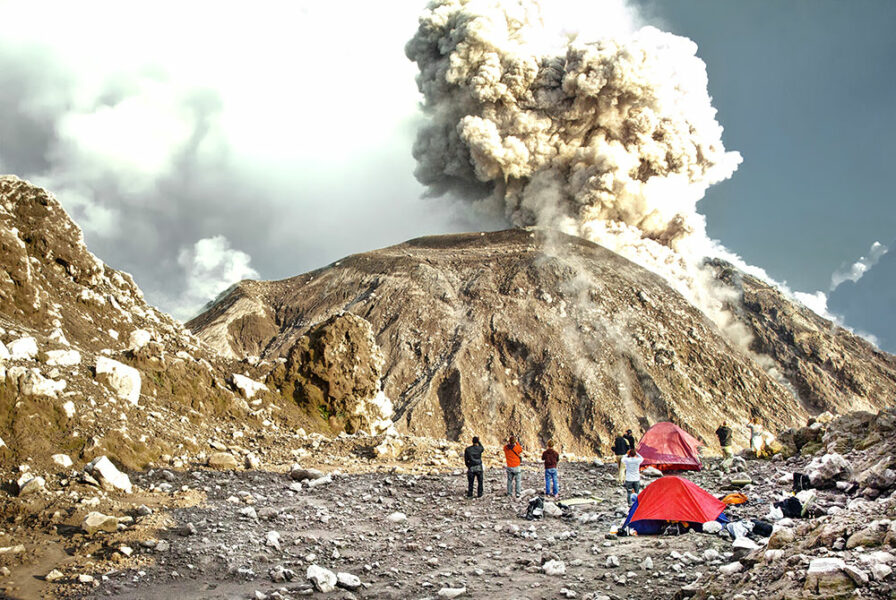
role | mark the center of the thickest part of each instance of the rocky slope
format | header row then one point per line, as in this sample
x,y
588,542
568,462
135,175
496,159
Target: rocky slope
x,y
550,336
87,368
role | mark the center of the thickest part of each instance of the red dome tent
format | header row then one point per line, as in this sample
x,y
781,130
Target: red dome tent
x,y
673,499
669,448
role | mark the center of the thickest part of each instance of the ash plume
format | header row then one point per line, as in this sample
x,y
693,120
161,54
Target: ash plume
x,y
609,135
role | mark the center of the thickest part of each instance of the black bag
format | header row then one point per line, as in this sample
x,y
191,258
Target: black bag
x,y
535,510
675,529
801,482
791,507
761,528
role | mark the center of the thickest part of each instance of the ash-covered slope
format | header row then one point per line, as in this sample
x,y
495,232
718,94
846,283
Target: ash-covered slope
x,y
541,334
86,366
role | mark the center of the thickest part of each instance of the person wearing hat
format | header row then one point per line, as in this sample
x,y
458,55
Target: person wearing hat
x,y
629,439
473,460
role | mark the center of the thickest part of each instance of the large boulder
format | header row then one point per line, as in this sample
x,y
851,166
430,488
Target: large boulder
x,y
97,521
23,348
32,383
335,371
828,578
324,580
827,470
247,387
63,358
124,380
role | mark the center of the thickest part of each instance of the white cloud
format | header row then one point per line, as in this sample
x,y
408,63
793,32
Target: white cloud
x,y
858,269
211,266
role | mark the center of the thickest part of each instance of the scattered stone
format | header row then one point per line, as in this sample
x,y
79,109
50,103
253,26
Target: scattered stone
x,y
300,474
23,348
63,460
124,380
107,475
30,484
397,517
347,581
53,576
323,579
97,521
222,460
63,358
827,576
447,592
554,567
731,568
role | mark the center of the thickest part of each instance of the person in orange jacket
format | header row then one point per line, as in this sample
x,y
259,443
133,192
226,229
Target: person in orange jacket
x,y
513,454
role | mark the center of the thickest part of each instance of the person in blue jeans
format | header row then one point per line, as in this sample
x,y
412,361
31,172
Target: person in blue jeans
x,y
551,482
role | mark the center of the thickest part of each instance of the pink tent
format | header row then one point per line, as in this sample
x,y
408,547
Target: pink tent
x,y
669,448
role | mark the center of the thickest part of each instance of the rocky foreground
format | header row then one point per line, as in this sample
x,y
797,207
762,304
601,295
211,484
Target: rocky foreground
x,y
345,524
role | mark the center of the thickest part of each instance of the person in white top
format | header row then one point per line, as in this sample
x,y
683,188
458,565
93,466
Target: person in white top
x,y
632,462
756,442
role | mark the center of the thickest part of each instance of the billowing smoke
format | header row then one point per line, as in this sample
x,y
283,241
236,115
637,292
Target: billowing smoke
x,y
610,135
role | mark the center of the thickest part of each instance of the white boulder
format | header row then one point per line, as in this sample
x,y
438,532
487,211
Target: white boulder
x,y
138,338
712,527
449,592
108,475
63,460
124,380
23,348
651,472
397,517
347,581
29,484
32,383
827,575
63,358
826,470
247,387
69,409
324,580
4,352
731,568
554,567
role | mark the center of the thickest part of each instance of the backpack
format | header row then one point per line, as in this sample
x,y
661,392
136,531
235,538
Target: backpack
x,y
791,507
761,528
801,482
535,510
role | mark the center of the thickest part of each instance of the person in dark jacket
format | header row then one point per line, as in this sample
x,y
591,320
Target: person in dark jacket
x,y
473,460
551,482
724,435
629,439
620,449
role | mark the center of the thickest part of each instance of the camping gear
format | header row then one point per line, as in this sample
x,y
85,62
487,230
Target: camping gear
x,y
535,509
790,507
739,529
669,448
735,498
761,528
801,482
673,499
579,500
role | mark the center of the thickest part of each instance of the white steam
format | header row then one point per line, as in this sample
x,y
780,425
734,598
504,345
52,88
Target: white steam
x,y
211,266
610,135
855,271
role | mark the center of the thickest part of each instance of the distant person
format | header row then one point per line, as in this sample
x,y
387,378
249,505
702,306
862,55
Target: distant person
x,y
551,481
473,460
513,454
629,439
724,435
620,447
632,463
755,436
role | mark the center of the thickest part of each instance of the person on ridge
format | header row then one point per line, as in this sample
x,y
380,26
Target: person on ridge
x,y
551,482
620,447
513,454
473,460
632,484
629,439
724,435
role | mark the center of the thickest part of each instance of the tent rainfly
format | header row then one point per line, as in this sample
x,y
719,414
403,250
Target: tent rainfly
x,y
673,499
669,448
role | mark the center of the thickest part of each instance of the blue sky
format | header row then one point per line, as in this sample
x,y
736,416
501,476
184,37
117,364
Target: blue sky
x,y
191,161
805,91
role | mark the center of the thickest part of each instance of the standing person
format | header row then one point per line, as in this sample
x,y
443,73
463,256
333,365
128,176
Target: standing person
x,y
620,447
473,460
724,435
632,463
513,454
755,436
629,439
551,482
